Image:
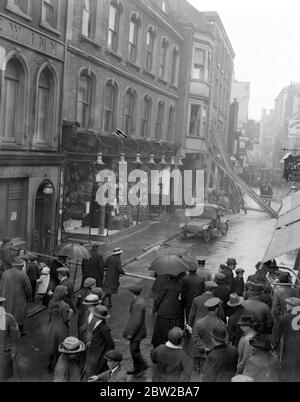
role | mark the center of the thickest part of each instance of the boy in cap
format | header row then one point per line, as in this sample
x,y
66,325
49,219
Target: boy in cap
x,y
135,331
115,372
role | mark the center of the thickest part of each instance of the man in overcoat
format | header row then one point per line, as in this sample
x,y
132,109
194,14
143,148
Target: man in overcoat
x,y
101,342
227,270
237,310
135,331
64,279
94,267
192,286
112,276
202,271
15,287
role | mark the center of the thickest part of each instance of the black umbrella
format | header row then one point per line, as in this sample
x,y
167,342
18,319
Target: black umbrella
x,y
170,264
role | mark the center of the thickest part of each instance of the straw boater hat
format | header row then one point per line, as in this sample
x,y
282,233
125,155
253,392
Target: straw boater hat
x,y
2,299
117,251
91,300
18,262
71,345
234,300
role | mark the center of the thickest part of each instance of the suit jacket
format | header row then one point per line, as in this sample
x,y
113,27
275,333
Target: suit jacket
x,y
136,324
70,297
112,276
198,309
220,365
192,286
229,277
117,376
168,303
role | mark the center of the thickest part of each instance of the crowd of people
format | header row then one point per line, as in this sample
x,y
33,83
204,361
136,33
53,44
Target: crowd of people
x,y
212,328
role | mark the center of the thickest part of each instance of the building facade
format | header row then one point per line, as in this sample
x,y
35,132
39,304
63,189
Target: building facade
x,y
32,55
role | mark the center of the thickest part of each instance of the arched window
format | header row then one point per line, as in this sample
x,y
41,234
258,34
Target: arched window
x,y
146,116
45,111
13,100
114,25
110,106
133,38
163,58
170,132
175,65
86,90
160,120
130,107
150,49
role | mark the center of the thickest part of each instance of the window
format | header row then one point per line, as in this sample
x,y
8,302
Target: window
x,y
87,19
130,111
170,134
86,88
50,14
175,64
45,106
160,120
163,60
110,106
146,116
195,121
150,49
198,72
133,38
20,7
113,27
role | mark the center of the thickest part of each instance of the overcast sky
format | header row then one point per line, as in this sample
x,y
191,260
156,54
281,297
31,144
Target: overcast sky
x,y
265,35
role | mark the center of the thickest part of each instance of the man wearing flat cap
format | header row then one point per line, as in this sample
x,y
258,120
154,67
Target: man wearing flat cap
x,y
192,286
202,271
58,262
287,341
115,372
63,275
135,330
227,270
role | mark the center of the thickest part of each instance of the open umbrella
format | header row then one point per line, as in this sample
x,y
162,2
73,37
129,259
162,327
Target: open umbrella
x,y
170,264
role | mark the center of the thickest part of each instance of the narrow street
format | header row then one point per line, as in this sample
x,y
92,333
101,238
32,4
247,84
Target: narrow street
x,y
246,240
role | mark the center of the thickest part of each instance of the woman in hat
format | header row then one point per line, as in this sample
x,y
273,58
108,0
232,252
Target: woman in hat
x,y
43,283
59,317
69,365
263,365
112,276
248,326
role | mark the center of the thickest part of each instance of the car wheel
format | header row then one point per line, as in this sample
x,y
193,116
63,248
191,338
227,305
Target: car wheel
x,y
207,235
224,229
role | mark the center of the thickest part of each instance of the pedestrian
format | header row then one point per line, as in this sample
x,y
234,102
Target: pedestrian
x,y
157,287
202,271
9,338
227,270
252,278
100,342
69,364
262,365
63,275
193,286
135,331
99,292
172,364
112,276
169,310
89,303
287,341
238,282
58,262
201,335
237,310
15,287
33,272
88,286
94,267
221,362
115,372
43,284
7,255
222,291
59,316
248,326
260,309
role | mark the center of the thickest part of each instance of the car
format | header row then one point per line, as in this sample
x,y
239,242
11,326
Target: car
x,y
205,220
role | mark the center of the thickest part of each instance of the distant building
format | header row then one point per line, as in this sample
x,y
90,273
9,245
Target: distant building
x,y
241,92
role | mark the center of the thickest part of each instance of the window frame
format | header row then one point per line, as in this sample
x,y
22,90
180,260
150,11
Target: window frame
x,y
171,122
150,54
115,32
175,65
133,46
90,104
130,117
198,121
160,120
163,58
16,9
44,23
112,109
146,112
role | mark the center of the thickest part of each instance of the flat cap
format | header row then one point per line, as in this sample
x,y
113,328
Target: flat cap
x,y
89,282
113,355
213,302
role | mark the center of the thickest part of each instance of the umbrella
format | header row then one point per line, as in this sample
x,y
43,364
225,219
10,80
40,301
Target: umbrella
x,y
170,264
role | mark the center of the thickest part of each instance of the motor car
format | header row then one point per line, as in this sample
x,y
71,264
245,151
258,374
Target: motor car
x,y
206,221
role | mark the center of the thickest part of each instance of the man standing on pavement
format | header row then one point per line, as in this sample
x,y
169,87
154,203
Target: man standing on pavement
x,y
34,273
287,341
227,270
238,282
59,262
9,336
233,327
222,291
94,267
7,255
135,331
112,276
63,274
15,287
192,286
202,271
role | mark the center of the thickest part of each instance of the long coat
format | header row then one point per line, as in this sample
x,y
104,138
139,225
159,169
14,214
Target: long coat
x,y
119,375
7,256
112,276
229,280
8,340
101,343
70,297
93,268
136,324
201,336
281,293
192,286
66,370
16,288
220,364
198,309
58,328
172,365
234,330
262,366
54,281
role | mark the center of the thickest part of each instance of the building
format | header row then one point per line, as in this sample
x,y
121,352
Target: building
x,y
32,55
240,90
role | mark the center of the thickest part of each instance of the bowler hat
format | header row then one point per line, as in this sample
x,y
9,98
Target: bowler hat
x,y
209,285
18,262
219,333
89,282
71,345
2,299
261,341
135,289
117,251
234,300
91,300
293,301
113,355
63,271
175,335
212,302
101,312
231,261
